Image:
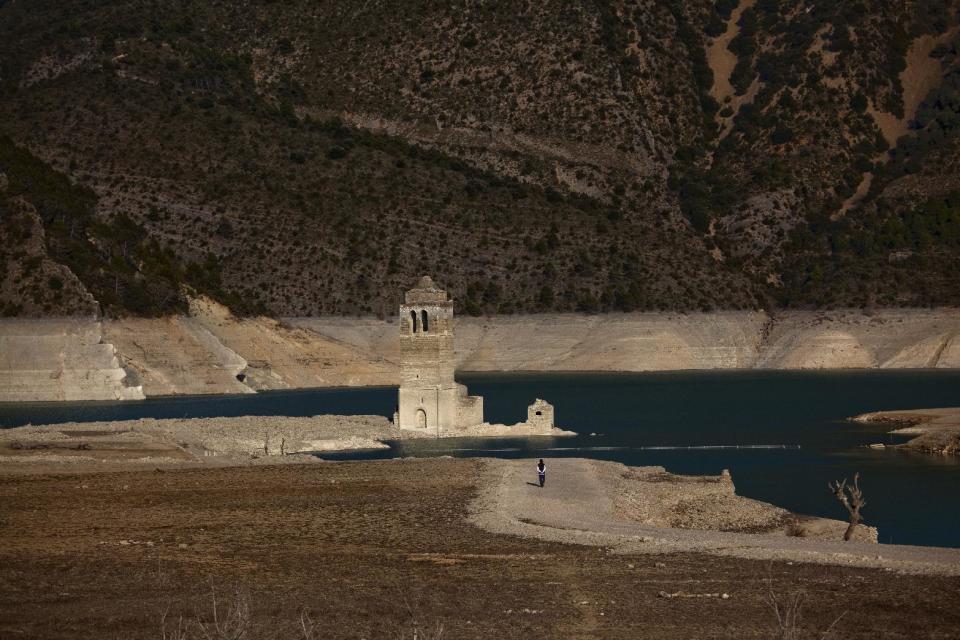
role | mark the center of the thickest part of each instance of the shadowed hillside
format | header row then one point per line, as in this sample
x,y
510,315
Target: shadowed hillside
x,y
300,159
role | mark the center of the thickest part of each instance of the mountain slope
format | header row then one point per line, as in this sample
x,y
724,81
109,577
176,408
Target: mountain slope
x,y
301,159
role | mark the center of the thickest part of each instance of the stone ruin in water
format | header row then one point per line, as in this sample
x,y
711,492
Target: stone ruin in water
x,y
430,400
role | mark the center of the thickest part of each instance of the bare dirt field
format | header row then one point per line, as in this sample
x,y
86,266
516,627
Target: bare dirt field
x,y
383,549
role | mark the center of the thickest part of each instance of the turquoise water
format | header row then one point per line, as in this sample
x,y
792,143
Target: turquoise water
x,y
782,435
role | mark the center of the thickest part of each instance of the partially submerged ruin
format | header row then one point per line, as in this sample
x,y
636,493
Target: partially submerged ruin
x,y
430,399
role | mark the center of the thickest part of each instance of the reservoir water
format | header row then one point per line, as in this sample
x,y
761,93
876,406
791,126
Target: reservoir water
x,y
782,435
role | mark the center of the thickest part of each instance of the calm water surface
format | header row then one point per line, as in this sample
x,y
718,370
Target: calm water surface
x,y
781,434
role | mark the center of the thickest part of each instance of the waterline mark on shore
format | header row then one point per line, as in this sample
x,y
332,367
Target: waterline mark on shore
x,y
725,446
704,447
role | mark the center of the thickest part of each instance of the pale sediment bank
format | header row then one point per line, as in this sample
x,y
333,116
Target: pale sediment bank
x,y
607,504
843,339
933,430
188,442
191,442
60,359
211,351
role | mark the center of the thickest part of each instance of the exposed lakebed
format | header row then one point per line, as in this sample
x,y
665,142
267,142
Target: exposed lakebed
x,y
783,435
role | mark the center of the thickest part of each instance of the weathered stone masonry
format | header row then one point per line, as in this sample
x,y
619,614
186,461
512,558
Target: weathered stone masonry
x,y
430,399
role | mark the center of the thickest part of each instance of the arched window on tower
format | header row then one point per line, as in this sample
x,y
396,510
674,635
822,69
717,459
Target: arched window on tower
x,y
413,322
426,321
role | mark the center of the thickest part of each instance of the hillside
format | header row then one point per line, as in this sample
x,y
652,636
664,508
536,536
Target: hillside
x,y
300,159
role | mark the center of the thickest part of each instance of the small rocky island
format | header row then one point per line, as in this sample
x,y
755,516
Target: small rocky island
x,y
932,430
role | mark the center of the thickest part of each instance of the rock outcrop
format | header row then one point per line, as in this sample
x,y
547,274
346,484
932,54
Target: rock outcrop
x,y
177,355
889,339
931,430
282,356
60,360
211,351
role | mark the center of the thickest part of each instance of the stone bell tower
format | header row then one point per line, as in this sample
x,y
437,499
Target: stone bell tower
x,y
430,399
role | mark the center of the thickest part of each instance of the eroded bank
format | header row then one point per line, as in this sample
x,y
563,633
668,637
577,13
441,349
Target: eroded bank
x,y
210,351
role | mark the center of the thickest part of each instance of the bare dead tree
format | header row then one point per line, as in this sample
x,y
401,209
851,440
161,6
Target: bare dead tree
x,y
852,500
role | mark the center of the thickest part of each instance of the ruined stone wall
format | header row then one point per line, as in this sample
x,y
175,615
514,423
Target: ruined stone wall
x,y
540,415
469,409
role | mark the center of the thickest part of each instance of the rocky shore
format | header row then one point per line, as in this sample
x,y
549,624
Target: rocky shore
x,y
191,442
634,510
647,511
177,443
933,430
654,497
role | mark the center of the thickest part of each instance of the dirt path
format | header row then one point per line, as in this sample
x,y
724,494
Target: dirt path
x,y
576,507
588,624
862,190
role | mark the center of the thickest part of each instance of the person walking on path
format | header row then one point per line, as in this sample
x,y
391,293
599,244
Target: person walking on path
x,y
541,472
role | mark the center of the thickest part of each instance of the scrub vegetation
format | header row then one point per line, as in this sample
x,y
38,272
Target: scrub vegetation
x,y
295,159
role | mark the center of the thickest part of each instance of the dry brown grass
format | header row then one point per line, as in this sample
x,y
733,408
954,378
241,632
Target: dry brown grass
x,y
335,550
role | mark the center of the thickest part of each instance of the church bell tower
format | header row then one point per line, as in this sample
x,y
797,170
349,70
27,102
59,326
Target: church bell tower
x,y
430,399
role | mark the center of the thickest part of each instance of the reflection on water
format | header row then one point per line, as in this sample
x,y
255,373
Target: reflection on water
x,y
782,435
